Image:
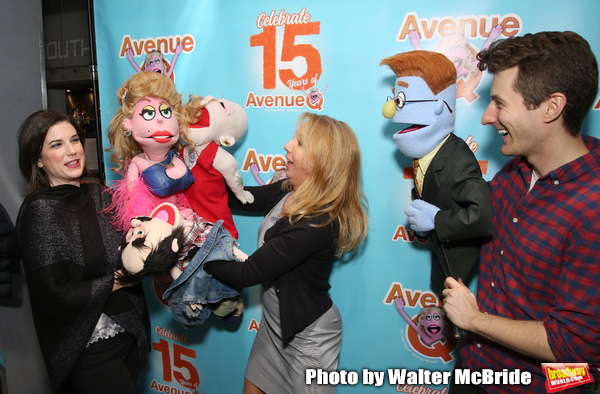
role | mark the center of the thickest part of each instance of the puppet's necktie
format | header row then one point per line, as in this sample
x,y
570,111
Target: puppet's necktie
x,y
418,180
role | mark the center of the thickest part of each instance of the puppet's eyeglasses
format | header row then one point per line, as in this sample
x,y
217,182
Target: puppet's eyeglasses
x,y
400,100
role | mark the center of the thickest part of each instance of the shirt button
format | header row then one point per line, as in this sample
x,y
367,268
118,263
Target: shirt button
x,y
478,345
556,182
515,220
493,285
502,252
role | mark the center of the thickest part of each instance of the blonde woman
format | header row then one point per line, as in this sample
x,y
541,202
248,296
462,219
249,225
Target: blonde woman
x,y
313,217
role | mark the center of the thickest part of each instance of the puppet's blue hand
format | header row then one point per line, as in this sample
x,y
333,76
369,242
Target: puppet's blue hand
x,y
421,215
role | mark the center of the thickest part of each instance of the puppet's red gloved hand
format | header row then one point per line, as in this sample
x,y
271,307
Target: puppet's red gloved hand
x,y
421,215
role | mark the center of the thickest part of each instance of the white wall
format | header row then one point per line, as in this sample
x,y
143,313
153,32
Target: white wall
x,y
22,91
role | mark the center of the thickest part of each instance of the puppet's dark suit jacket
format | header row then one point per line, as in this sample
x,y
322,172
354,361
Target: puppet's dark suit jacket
x,y
453,183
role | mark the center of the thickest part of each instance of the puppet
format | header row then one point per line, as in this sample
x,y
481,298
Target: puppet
x,y
314,97
214,123
452,202
145,136
277,175
456,48
432,324
166,243
155,62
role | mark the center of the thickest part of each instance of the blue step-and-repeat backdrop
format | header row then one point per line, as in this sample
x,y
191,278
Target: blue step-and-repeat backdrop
x,y
267,56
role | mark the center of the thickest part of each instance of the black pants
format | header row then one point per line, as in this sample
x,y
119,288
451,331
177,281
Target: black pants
x,y
107,366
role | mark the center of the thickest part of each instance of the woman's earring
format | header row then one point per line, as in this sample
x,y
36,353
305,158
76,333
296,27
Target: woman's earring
x,y
126,132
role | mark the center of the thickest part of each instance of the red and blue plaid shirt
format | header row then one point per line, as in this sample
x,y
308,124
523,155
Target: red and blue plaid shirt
x,y
195,238
543,263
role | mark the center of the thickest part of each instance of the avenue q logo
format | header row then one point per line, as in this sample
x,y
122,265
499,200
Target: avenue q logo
x,y
560,377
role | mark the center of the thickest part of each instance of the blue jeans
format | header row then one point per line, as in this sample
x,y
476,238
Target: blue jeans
x,y
194,286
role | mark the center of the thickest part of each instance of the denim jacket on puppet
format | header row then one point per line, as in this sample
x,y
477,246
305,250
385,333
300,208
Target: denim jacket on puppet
x,y
165,243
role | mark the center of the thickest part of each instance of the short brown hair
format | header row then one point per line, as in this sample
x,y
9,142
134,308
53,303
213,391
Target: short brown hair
x,y
549,62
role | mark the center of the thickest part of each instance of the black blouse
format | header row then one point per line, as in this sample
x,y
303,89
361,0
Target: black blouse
x,y
297,258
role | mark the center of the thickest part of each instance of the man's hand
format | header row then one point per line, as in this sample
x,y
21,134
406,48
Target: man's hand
x,y
460,304
527,337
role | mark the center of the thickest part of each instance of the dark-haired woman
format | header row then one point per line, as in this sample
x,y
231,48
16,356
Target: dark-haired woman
x,y
94,334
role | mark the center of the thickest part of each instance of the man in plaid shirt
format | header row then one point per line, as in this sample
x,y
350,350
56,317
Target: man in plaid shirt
x,y
538,296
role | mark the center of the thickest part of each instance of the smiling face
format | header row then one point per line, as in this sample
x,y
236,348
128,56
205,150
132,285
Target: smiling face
x,y
509,115
297,163
62,156
153,125
430,117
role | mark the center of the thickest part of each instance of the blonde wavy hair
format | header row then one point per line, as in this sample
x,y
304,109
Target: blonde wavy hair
x,y
140,85
333,186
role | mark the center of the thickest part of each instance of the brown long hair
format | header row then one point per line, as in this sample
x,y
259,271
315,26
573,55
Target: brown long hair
x,y
31,136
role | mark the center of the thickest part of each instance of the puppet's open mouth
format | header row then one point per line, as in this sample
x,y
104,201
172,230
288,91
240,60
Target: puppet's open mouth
x,y
158,71
434,329
411,128
457,62
162,136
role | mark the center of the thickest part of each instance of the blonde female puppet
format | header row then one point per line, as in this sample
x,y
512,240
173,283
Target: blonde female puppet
x,y
145,135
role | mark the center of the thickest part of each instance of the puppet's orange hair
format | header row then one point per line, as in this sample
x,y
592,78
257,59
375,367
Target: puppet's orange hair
x,y
434,68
